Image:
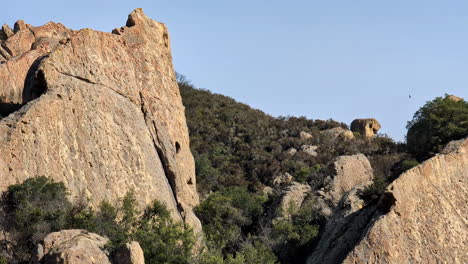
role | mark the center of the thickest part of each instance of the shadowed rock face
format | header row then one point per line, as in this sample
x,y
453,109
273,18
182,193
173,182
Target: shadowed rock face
x,y
421,218
103,114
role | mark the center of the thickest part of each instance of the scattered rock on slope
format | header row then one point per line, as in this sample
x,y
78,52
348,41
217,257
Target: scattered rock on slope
x,y
304,135
309,150
103,115
337,133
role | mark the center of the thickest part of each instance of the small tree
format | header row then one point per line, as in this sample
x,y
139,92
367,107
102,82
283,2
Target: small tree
x,y
435,124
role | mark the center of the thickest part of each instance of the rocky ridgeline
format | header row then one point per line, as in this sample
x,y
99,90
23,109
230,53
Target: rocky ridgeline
x,y
98,111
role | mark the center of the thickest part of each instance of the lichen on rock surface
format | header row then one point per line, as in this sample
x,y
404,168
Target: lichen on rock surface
x,y
102,113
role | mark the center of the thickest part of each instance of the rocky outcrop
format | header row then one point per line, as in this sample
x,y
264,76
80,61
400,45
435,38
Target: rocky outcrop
x,y
292,199
130,253
103,114
425,220
305,136
367,127
421,218
454,98
282,178
337,133
309,150
74,247
291,152
350,171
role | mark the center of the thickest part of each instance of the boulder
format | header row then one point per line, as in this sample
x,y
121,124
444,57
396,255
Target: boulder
x,y
130,253
367,127
454,98
7,31
102,113
20,25
74,247
291,151
282,178
19,43
292,199
350,171
337,133
267,191
304,135
309,150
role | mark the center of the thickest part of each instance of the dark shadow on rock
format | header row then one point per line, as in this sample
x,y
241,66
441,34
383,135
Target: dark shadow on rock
x,y
8,108
35,84
343,233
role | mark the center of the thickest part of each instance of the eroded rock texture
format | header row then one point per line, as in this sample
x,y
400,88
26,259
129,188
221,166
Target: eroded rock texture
x,y
427,218
103,114
421,218
367,127
74,247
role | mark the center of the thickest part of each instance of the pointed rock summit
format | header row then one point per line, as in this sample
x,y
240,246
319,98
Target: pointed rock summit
x,y
98,111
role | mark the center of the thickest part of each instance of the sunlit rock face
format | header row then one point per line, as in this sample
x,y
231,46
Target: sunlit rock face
x,y
421,218
98,111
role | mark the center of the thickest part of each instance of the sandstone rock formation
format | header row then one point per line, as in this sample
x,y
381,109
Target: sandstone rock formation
x,y
292,199
74,247
282,178
454,98
291,152
130,253
337,133
99,111
304,135
421,218
367,127
350,171
309,150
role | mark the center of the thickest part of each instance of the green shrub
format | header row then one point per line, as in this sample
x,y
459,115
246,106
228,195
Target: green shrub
x,y
372,192
408,164
162,240
300,229
3,260
225,213
435,124
294,236
39,206
33,209
251,252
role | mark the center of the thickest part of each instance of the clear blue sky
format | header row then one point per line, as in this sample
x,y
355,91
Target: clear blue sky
x,y
321,59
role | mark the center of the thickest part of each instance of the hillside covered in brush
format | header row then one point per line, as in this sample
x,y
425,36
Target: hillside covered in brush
x,y
236,145
246,161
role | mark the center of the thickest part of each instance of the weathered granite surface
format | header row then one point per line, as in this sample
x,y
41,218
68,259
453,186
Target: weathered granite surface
x,y
103,114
